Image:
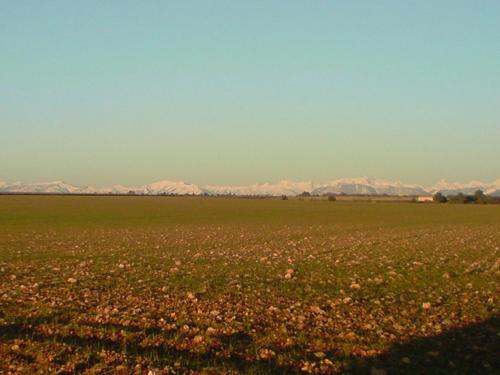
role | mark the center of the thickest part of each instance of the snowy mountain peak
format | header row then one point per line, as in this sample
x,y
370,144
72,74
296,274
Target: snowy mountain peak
x,y
283,187
367,185
172,187
41,187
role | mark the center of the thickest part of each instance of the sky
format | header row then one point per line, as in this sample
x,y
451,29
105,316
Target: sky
x,y
236,92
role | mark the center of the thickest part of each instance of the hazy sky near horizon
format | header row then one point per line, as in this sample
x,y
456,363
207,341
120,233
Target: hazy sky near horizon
x,y
234,92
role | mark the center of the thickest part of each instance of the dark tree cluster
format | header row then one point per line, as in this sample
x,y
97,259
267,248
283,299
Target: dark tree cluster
x,y
439,198
478,197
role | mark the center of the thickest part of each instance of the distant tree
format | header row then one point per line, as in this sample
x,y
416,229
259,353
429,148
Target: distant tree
x,y
479,197
461,198
332,197
458,198
131,192
284,197
439,198
305,194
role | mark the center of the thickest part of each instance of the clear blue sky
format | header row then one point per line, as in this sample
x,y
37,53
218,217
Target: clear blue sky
x,y
130,92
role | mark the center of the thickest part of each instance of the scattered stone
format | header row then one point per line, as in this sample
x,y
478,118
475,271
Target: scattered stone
x,y
211,331
319,355
347,300
317,310
266,353
350,336
289,274
197,340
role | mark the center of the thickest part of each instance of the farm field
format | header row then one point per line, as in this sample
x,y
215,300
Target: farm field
x,y
175,285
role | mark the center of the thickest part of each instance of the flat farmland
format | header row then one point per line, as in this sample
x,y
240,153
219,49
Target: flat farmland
x,y
175,285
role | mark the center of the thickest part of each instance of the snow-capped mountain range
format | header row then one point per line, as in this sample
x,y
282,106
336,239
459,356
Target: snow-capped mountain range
x,y
361,185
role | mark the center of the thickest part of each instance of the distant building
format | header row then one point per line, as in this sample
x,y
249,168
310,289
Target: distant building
x,y
425,198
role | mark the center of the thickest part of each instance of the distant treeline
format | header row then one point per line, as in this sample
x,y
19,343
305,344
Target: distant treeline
x,y
478,198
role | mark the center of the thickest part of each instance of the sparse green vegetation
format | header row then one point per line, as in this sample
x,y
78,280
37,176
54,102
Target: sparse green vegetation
x,y
258,286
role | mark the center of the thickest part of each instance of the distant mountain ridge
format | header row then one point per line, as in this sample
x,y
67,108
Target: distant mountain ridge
x,y
354,186
370,186
450,188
